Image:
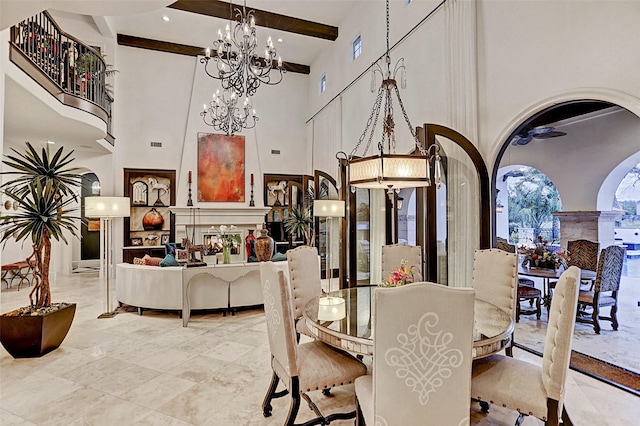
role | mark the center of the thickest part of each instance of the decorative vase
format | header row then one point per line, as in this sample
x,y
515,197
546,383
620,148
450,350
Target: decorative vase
x,y
264,246
226,255
152,220
248,243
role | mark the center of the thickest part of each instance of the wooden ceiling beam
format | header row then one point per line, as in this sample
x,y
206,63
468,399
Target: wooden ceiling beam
x,y
183,49
220,9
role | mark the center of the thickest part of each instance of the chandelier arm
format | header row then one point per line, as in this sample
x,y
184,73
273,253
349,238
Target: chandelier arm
x,y
375,123
419,145
366,128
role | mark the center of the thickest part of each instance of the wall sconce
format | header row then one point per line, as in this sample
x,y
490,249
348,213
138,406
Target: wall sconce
x,y
499,207
399,202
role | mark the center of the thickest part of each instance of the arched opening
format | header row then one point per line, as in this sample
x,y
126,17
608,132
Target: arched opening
x,y
580,145
529,200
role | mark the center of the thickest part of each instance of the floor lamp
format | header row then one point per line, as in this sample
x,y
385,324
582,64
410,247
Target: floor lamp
x,y
107,208
328,209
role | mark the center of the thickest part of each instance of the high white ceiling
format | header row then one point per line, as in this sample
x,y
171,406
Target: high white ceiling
x,y
199,30
144,19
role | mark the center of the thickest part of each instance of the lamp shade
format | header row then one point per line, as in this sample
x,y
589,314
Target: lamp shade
x,y
107,206
328,208
389,171
331,309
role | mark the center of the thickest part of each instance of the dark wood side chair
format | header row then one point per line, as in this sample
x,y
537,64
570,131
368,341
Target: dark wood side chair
x,y
605,291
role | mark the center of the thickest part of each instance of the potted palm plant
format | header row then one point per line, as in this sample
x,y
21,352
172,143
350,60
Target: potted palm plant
x,y
300,224
43,188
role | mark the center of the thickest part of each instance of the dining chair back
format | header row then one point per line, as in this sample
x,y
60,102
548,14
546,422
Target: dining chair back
x,y
526,291
304,276
583,254
301,367
605,290
422,358
528,388
393,254
495,279
305,281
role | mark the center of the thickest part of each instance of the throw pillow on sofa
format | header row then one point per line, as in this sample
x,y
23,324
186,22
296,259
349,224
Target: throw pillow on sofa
x,y
151,261
169,260
138,261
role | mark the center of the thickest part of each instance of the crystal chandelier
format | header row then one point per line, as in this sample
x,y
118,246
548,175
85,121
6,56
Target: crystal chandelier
x,y
386,169
235,61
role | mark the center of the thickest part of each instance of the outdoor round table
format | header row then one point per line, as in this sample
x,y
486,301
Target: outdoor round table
x,y
550,274
493,327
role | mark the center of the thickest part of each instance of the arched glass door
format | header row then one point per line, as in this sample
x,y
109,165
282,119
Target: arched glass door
x,y
450,222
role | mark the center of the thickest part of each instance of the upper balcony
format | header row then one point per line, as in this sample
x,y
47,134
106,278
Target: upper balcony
x,y
68,69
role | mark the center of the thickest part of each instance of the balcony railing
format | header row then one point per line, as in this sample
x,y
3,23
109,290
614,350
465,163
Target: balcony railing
x,y
74,68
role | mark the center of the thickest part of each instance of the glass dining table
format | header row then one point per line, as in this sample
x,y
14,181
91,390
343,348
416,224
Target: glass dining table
x,y
353,332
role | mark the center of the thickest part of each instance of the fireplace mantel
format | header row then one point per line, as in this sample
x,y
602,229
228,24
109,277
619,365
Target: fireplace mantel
x,y
200,216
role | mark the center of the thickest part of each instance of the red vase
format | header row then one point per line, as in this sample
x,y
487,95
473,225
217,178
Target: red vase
x,y
248,243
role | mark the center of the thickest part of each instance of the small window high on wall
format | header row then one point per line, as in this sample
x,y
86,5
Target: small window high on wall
x,y
323,83
356,49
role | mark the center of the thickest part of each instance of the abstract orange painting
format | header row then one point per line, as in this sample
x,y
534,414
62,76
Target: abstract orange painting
x,y
220,167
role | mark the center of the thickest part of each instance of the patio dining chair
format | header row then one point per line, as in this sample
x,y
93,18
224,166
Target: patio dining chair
x,y
584,255
605,290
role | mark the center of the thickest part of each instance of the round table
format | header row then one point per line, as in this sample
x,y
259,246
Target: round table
x,y
550,274
493,326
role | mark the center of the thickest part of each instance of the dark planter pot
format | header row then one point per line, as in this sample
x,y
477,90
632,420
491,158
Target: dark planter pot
x,y
34,336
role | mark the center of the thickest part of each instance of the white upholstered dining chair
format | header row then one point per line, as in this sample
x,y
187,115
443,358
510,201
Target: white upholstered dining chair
x,y
393,254
495,279
304,278
421,359
528,388
304,367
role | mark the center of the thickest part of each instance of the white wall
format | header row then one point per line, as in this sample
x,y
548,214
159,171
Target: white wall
x,y
160,97
531,54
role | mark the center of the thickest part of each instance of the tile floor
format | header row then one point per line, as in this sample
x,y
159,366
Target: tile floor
x,y
149,370
617,347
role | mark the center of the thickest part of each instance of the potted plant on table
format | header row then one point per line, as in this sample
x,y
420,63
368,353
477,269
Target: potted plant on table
x,y
300,224
43,188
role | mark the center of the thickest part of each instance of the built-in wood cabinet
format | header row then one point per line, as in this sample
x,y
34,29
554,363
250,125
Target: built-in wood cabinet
x,y
151,223
282,193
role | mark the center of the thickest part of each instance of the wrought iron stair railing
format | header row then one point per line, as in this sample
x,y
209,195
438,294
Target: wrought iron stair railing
x,y
75,68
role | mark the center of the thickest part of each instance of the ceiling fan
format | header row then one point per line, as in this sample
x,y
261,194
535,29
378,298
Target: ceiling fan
x,y
536,133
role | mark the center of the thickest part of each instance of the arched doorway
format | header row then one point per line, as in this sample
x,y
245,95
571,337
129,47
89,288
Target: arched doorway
x,y
580,159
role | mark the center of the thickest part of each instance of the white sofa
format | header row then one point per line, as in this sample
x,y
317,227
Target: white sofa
x,y
225,287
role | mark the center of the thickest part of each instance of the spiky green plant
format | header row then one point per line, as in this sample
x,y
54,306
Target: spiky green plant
x,y
44,191
300,223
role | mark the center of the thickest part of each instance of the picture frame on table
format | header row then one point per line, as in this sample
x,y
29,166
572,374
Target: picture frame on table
x,y
136,241
182,255
164,239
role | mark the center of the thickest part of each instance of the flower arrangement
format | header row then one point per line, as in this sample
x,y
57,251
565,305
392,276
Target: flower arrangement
x,y
400,276
543,256
227,240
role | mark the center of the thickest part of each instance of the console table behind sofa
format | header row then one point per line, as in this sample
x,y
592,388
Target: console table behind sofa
x,y
208,287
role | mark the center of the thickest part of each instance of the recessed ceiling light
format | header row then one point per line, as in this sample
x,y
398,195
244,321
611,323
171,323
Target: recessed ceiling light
x,y
279,40
51,142
165,18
